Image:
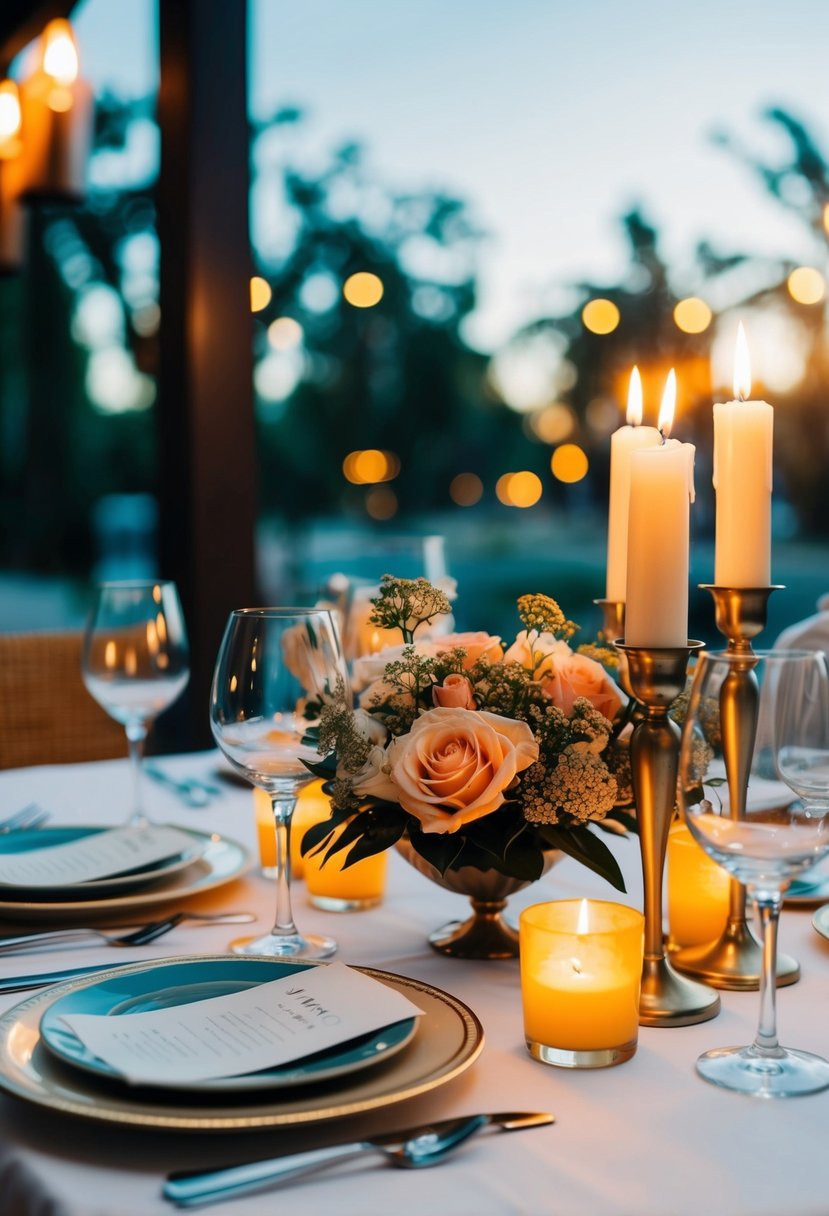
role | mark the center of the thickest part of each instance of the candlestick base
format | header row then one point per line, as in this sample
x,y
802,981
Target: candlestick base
x,y
669,999
658,676
735,962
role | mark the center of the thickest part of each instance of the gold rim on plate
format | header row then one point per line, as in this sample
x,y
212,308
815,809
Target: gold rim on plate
x,y
222,861
449,1040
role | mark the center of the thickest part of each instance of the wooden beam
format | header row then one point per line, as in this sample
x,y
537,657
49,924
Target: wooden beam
x,y
205,407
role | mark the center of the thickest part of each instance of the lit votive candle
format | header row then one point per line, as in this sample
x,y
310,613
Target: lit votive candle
x,y
335,889
698,892
312,807
581,967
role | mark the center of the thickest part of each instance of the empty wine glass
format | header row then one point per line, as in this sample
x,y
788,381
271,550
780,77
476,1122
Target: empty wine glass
x,y
135,661
276,668
757,733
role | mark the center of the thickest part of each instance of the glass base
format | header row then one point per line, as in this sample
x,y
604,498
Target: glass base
x,y
563,1057
286,945
336,903
780,1074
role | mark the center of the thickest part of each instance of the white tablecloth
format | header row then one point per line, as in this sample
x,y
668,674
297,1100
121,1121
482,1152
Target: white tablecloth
x,y
647,1137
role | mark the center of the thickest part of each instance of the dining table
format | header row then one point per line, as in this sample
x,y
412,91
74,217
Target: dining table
x,y
648,1137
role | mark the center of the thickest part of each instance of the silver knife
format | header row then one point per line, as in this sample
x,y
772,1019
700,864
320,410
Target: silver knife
x,y
413,1148
20,983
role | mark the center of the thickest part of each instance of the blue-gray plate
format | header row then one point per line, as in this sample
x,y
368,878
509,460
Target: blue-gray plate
x,y
96,888
183,983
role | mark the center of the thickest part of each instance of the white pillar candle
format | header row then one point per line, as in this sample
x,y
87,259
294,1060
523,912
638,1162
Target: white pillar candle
x,y
743,433
623,443
661,491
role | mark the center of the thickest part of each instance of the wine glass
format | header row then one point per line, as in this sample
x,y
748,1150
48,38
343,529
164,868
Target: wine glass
x,y
276,668
135,661
757,729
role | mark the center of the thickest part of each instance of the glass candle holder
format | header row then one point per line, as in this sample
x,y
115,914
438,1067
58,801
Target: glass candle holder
x,y
312,807
698,892
335,889
581,968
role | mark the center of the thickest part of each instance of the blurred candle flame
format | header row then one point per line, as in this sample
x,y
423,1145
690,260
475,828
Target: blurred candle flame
x,y
634,410
742,366
666,409
9,110
583,924
60,55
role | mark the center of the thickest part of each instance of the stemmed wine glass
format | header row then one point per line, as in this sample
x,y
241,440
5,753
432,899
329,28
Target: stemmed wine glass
x,y
136,661
758,726
276,668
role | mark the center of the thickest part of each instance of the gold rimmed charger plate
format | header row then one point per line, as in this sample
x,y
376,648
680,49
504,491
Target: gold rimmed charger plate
x,y
221,861
448,1041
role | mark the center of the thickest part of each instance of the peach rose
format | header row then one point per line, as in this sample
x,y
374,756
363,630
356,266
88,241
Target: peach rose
x,y
454,765
454,693
536,652
575,675
477,646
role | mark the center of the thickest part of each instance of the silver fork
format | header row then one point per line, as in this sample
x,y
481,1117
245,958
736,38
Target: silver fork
x,y
135,937
29,816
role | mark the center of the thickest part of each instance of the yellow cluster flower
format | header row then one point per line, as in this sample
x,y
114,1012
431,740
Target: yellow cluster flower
x,y
578,788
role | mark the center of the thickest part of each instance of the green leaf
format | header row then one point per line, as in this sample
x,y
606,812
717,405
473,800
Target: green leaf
x,y
582,845
714,782
440,849
624,817
323,768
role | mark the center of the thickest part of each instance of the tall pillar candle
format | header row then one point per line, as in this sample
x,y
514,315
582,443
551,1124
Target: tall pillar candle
x,y
661,491
623,443
743,433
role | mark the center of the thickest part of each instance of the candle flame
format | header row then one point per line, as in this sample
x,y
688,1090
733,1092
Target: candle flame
x,y
634,411
60,55
742,366
9,110
582,926
666,409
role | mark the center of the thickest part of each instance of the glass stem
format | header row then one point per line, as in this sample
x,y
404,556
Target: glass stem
x,y
136,737
283,809
767,911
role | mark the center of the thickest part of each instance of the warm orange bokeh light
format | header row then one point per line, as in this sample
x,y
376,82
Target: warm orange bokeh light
x,y
381,503
806,285
569,463
369,466
554,423
600,316
692,315
260,293
466,489
363,289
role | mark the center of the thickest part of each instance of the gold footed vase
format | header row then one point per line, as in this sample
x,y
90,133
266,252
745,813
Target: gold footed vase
x,y
485,934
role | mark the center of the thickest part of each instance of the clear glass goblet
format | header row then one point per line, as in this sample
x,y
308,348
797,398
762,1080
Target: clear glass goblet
x,y
136,661
756,737
276,668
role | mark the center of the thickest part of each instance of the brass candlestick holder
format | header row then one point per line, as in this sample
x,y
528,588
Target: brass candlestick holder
x,y
657,677
735,961
613,626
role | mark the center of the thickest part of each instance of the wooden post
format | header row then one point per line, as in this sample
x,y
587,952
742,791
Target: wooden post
x,y
205,406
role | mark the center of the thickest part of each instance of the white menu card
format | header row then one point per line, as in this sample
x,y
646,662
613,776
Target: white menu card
x,y
260,1027
98,855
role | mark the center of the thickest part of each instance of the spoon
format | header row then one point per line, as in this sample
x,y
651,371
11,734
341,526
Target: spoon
x,y
414,1148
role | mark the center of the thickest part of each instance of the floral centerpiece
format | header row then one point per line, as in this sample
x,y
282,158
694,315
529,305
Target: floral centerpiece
x,y
477,755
